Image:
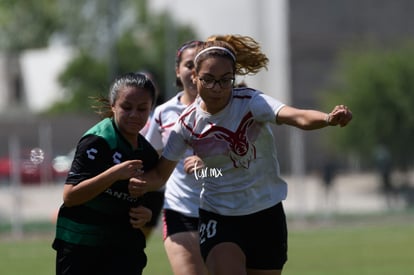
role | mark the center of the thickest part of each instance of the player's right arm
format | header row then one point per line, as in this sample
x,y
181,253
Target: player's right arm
x,y
90,188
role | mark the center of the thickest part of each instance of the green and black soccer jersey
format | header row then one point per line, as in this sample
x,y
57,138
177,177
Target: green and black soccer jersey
x,y
104,220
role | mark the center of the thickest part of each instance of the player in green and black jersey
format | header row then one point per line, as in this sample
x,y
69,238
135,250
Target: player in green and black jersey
x,y
98,225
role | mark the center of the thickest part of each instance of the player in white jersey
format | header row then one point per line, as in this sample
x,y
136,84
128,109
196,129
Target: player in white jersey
x,y
242,221
182,191
155,198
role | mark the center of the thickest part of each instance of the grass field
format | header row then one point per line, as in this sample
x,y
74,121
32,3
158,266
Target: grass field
x,y
380,248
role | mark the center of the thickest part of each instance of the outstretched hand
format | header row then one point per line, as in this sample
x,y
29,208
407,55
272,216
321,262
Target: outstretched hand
x,y
340,115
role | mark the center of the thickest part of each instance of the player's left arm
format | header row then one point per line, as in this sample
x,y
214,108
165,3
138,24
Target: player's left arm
x,y
313,119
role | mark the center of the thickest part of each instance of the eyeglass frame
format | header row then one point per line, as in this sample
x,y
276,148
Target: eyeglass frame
x,y
214,82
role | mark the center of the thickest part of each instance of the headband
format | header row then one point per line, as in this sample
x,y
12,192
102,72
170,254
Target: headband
x,y
186,45
214,48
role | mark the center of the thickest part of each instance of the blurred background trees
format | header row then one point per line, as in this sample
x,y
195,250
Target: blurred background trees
x,y
109,37
24,25
379,86
114,37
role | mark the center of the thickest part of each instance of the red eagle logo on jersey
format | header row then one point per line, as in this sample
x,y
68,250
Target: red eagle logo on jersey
x,y
242,151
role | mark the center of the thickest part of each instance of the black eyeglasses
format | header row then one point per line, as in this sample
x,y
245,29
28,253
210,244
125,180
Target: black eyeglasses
x,y
209,83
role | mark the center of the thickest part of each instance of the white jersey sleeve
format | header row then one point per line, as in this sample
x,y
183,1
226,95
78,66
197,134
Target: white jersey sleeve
x,y
153,134
176,144
265,108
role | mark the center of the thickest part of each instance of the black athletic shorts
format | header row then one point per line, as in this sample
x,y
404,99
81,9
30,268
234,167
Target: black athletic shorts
x,y
175,222
154,201
85,260
262,236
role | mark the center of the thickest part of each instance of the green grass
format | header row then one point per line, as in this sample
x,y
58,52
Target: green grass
x,y
358,249
361,250
35,256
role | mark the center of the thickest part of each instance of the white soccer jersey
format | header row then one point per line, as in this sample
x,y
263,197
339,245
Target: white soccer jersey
x,y
182,191
241,174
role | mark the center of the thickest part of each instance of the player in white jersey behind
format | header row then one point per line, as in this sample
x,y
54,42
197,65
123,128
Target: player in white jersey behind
x,y
182,190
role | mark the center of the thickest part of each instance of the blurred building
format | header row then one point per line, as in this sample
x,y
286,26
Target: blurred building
x,y
28,87
319,30
33,86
